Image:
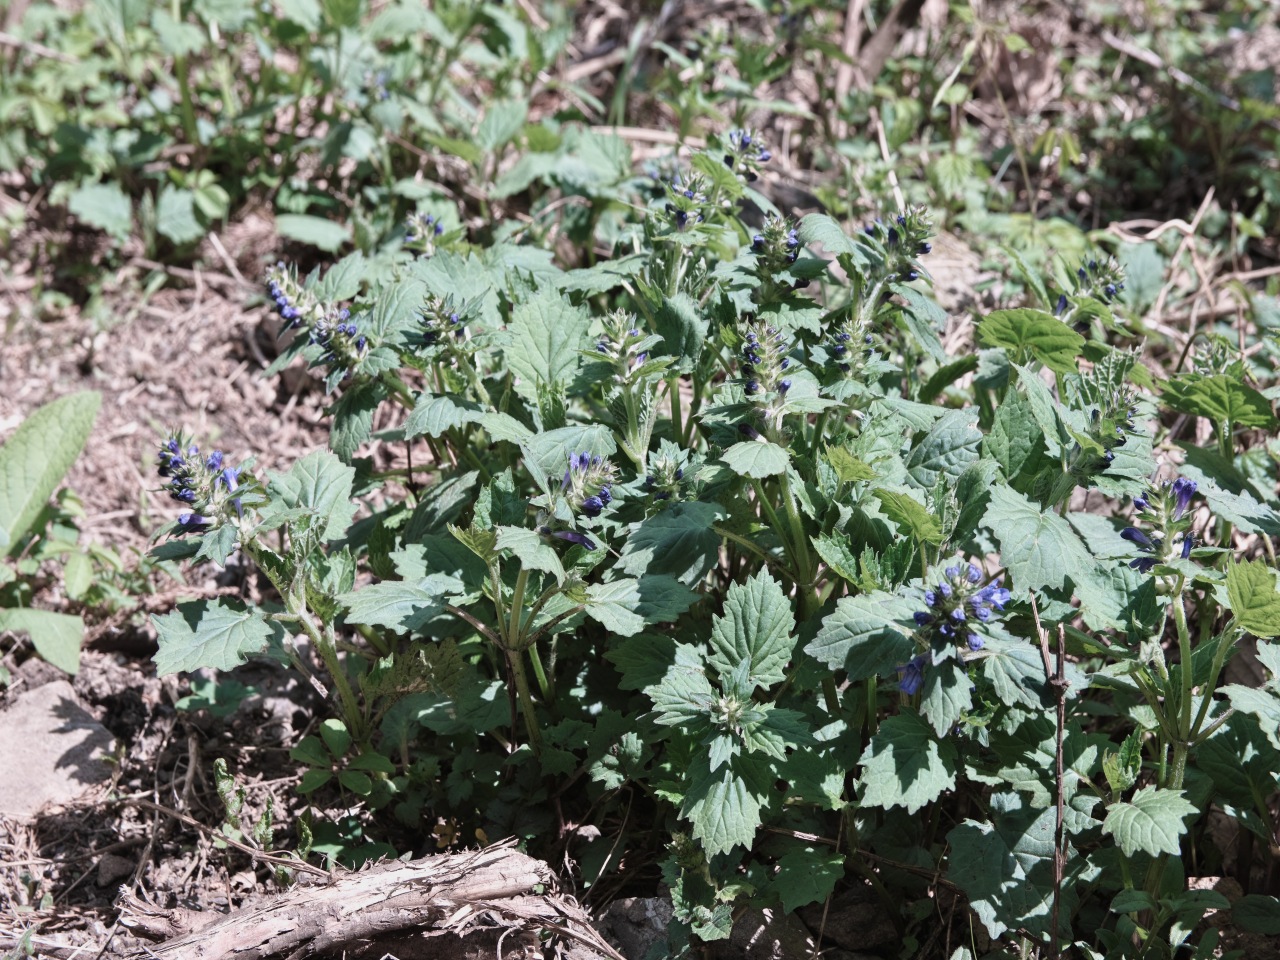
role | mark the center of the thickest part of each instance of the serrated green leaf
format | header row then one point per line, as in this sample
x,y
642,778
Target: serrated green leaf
x,y
948,449
502,121
318,486
1006,869
756,627
1039,548
547,334
679,541
905,766
910,516
865,635
1033,332
848,468
435,415
56,636
756,459
1151,822
531,550
807,875
1221,398
103,206
1251,585
724,806
945,696
615,606
215,634
176,216
684,694
37,456
400,605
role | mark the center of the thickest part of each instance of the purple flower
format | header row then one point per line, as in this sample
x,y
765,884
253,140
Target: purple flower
x,y
1183,491
911,677
1138,538
1187,543
574,537
1143,564
592,506
974,641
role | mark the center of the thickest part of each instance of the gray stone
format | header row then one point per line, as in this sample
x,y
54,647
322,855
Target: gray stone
x,y
51,750
635,924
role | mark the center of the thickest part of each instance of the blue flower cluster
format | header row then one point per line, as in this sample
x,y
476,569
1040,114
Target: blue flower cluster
x,y
686,200
421,230
588,483
623,344
745,153
956,607
845,354
443,320
295,304
764,361
904,241
663,482
343,344
195,481
1165,509
776,246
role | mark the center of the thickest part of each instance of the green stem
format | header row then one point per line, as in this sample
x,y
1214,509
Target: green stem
x,y
1183,743
801,540
772,516
515,659
673,387
517,610
540,674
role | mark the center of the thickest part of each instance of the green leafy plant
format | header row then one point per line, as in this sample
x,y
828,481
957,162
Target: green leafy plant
x,y
33,462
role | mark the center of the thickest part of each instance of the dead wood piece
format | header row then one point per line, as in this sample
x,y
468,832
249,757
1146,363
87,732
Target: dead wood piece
x,y
448,894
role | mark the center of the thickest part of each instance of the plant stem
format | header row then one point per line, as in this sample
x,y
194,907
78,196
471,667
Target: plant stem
x,y
517,610
515,658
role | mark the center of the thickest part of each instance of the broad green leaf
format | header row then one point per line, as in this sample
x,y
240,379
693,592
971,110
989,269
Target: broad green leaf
x,y
176,216
336,737
342,280
1257,913
502,121
922,318
756,459
724,806
678,541
1042,335
1151,822
756,627
821,229
104,206
807,875
948,449
848,467
1221,398
37,456
682,324
1016,440
434,416
1015,671
318,486
533,552
56,636
315,231
1006,868
353,418
866,635
905,766
615,605
216,634
910,516
946,696
546,334
1039,548
1254,599
400,605
684,694
1261,702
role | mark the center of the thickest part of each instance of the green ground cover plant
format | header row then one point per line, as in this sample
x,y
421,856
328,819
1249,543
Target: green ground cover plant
x,y
713,545
691,543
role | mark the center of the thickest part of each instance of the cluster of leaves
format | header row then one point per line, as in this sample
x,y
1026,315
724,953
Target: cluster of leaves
x,y
160,120
687,538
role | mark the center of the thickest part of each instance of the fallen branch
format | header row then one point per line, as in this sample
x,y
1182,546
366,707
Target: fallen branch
x,y
446,894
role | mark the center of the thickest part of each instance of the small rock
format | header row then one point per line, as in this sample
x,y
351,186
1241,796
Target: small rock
x,y
635,924
764,935
112,868
55,744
